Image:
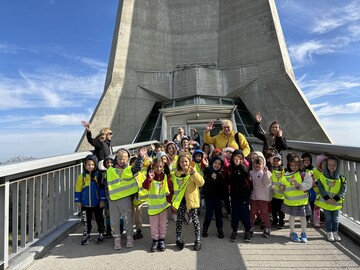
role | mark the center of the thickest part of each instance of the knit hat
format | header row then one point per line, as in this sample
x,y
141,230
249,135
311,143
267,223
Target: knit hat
x,y
228,149
277,156
160,154
212,162
260,154
319,159
197,151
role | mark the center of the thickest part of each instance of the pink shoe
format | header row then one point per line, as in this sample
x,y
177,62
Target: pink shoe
x,y
129,241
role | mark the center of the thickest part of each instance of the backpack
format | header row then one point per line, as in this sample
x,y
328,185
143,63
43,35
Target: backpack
x,y
237,140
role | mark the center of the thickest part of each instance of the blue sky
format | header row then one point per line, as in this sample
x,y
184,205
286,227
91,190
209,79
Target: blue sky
x,y
54,54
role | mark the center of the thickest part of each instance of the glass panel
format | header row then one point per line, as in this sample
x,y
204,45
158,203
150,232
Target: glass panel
x,y
209,101
168,105
247,118
156,135
184,102
249,130
241,106
227,102
241,129
151,122
144,136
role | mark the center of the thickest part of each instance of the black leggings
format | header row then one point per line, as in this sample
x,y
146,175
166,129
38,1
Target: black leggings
x,y
180,217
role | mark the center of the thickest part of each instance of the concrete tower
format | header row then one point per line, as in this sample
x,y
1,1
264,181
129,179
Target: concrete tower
x,y
189,54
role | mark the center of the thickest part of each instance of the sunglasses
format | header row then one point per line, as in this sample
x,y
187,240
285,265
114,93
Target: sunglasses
x,y
109,133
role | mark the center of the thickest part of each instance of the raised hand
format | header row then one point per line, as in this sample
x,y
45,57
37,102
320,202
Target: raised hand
x,y
86,125
210,126
205,161
258,117
151,174
142,151
191,170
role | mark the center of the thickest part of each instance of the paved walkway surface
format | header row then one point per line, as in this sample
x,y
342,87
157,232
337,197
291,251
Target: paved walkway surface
x,y
276,252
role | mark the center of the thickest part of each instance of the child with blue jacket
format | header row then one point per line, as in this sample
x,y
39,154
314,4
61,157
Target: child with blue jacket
x,y
90,197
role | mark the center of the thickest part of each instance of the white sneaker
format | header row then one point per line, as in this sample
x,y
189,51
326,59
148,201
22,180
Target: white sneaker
x,y
336,236
330,237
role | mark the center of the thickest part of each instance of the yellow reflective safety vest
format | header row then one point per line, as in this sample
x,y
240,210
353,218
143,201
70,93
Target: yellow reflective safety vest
x,y
276,177
317,174
173,164
141,196
121,184
198,169
293,196
179,184
157,197
332,187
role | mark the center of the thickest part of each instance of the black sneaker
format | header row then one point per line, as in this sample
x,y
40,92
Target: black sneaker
x,y
100,238
197,245
154,246
161,245
139,234
220,233
281,225
266,233
86,240
274,222
108,233
180,243
247,237
233,236
251,232
205,232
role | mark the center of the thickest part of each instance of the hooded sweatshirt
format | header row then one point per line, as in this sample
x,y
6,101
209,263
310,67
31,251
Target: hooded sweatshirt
x,y
336,175
212,187
261,183
88,191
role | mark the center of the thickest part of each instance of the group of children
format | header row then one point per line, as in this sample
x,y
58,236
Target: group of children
x,y
167,178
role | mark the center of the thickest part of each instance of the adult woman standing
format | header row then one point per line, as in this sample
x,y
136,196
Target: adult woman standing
x,y
273,138
179,136
102,142
226,138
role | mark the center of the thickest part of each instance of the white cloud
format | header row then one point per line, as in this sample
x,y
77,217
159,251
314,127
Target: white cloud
x,y
39,144
329,84
44,90
60,120
336,17
315,106
8,48
343,130
302,53
332,109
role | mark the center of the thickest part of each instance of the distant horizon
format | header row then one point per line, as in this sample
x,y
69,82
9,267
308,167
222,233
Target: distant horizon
x,y
55,55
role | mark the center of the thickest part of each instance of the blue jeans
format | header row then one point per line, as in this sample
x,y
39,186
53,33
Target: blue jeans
x,y
331,220
240,210
213,205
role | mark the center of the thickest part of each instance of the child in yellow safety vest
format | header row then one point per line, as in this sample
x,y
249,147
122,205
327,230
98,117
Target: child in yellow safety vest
x,y
186,181
332,188
159,185
294,184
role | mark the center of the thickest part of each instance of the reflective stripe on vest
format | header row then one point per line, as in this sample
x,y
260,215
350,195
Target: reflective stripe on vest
x,y
157,197
332,187
179,184
121,184
293,196
276,177
141,196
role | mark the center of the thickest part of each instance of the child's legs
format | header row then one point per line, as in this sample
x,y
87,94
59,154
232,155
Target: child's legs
x,y
276,210
154,226
115,215
254,208
335,220
264,213
137,216
107,212
162,224
126,210
89,211
195,219
328,220
245,215
303,223
98,212
209,211
292,224
218,213
179,220
316,214
235,212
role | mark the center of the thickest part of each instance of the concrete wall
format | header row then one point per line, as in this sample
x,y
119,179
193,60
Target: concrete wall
x,y
180,48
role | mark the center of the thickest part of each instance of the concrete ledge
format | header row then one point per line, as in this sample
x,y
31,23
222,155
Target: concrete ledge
x,y
42,246
350,228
